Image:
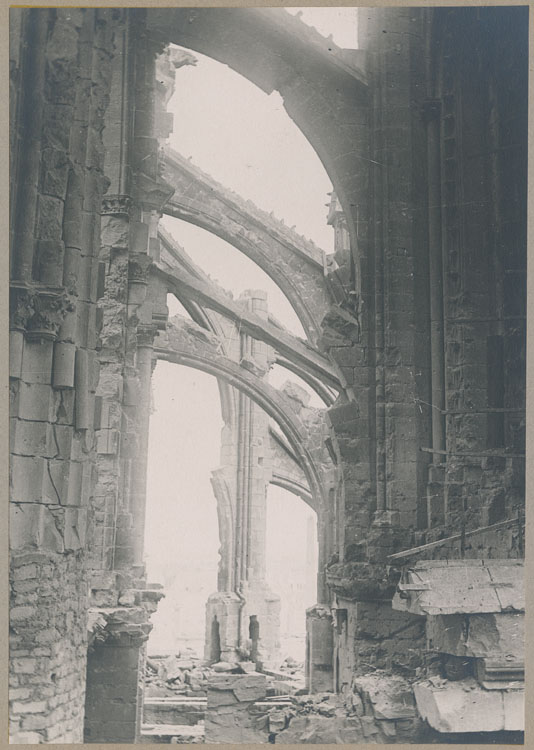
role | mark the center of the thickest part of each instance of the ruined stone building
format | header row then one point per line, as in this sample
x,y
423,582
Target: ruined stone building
x,y
415,342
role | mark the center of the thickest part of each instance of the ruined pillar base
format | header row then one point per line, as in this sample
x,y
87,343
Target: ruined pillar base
x,y
223,611
319,649
230,717
260,624
243,627
113,703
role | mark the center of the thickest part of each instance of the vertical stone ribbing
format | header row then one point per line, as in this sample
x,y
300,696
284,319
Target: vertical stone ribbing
x,y
52,464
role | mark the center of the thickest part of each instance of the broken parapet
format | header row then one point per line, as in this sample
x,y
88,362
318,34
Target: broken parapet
x,y
229,716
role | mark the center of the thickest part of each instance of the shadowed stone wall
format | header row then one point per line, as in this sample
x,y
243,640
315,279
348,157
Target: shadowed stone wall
x,y
60,68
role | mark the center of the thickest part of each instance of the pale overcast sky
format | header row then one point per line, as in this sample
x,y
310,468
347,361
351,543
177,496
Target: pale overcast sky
x,y
245,140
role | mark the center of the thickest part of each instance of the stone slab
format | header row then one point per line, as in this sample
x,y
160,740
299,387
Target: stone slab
x,y
463,706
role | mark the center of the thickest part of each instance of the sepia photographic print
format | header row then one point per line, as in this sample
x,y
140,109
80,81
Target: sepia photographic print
x,y
267,374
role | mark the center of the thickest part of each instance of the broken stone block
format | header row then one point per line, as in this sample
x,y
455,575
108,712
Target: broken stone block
x,y
27,475
277,721
29,707
27,738
75,528
127,598
34,526
390,696
222,666
246,688
37,361
320,730
34,401
245,666
388,728
478,635
464,706
229,697
29,438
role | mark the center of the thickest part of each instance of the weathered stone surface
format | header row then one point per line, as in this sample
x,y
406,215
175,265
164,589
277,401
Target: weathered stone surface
x,y
463,706
390,696
493,635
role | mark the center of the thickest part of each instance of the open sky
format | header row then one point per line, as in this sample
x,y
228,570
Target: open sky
x,y
244,139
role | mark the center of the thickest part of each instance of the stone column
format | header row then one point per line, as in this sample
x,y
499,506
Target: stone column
x,y
131,315
260,616
319,650
145,365
247,611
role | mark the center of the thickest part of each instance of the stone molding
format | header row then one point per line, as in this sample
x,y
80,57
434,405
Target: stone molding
x,y
117,205
39,311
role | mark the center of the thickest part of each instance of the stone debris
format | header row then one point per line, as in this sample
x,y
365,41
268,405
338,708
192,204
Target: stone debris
x,y
176,675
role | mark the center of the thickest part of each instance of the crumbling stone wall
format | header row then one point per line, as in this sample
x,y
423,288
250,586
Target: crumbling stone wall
x,y
484,306
60,66
433,442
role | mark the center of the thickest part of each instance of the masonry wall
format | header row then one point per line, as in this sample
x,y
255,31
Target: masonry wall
x,y
60,67
435,441
483,186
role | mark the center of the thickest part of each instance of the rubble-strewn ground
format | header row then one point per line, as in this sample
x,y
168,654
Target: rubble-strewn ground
x,y
186,674
378,708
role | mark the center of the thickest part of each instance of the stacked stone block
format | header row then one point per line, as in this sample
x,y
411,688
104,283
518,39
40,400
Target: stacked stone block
x,y
229,715
62,88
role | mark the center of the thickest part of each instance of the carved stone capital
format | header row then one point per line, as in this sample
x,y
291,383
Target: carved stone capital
x,y
138,267
21,306
146,335
116,205
38,311
50,309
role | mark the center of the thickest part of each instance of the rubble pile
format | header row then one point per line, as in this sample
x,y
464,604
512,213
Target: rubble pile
x,y
379,709
182,674
317,719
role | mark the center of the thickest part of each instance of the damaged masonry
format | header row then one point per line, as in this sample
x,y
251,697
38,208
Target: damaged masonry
x,y
415,343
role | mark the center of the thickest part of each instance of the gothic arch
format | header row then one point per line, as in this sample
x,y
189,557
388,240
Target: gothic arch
x,y
295,264
186,348
319,88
